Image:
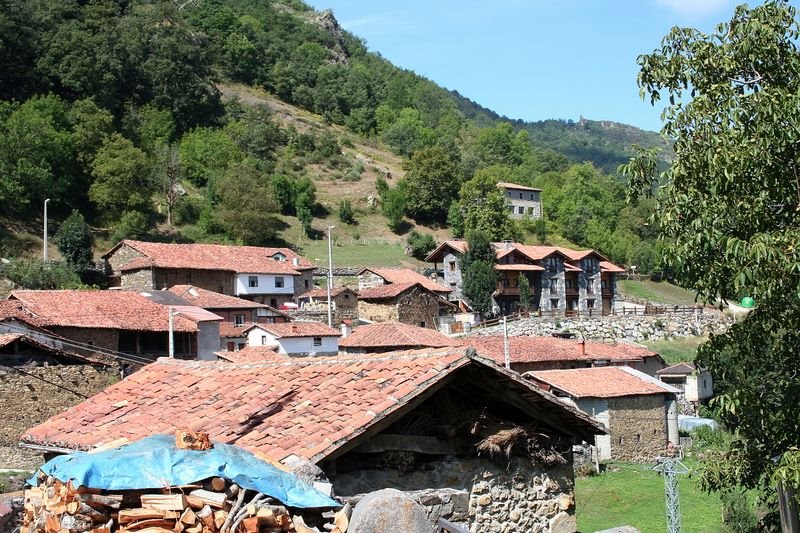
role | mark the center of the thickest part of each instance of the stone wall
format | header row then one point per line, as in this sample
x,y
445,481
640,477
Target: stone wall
x,y
121,256
629,327
137,280
29,399
378,311
480,494
369,279
102,338
418,307
452,275
638,426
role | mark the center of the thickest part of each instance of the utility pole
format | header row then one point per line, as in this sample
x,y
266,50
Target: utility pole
x,y
671,467
330,277
506,354
171,332
44,250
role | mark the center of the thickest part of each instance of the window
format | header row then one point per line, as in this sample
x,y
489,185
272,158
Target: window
x,y
452,266
273,302
238,320
511,208
305,282
590,304
422,324
521,210
231,347
279,257
278,282
261,312
240,346
252,281
317,341
553,285
589,286
553,303
346,296
263,340
520,196
532,198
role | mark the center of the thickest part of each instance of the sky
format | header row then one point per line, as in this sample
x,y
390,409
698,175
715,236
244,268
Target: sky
x,y
530,59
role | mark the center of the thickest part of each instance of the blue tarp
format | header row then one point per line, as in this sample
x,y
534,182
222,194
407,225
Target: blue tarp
x,y
155,462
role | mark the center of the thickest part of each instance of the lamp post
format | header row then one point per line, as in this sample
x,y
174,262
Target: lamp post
x,y
44,250
330,276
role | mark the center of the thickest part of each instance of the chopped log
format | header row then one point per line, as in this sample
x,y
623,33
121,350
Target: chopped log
x,y
150,522
206,517
149,530
232,490
250,524
342,518
188,518
111,501
192,440
214,499
219,518
197,528
133,515
164,502
218,484
72,507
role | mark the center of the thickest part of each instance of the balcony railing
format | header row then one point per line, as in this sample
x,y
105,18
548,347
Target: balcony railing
x,y
571,291
508,291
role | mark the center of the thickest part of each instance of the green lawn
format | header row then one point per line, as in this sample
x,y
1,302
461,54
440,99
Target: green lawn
x,y
656,291
634,496
351,253
678,349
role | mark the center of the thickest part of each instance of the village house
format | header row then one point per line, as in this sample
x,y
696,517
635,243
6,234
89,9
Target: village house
x,y
430,423
237,314
409,303
390,336
297,339
38,381
562,281
272,276
375,277
639,411
122,321
696,386
314,304
522,201
530,353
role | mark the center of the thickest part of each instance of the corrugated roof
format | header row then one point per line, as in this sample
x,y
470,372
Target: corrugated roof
x,y
309,407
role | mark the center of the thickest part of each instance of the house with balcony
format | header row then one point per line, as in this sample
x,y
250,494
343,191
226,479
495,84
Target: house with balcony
x,y
562,281
522,201
272,276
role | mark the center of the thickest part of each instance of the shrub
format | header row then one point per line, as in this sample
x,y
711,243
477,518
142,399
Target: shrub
x,y
421,244
132,224
35,274
346,213
188,210
738,515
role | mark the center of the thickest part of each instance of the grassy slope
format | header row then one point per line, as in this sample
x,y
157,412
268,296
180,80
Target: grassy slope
x,y
678,349
634,495
659,292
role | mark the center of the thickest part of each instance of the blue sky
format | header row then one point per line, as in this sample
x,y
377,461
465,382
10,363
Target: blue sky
x,y
530,59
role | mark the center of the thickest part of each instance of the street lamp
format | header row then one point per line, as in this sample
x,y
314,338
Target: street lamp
x,y
330,276
44,251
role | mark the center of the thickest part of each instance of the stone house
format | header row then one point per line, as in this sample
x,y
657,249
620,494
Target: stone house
x,y
392,336
409,303
563,281
522,201
639,412
423,422
38,381
267,275
298,339
696,386
237,314
314,303
122,321
533,353
375,277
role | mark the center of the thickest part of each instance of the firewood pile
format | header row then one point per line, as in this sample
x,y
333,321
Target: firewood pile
x,y
214,505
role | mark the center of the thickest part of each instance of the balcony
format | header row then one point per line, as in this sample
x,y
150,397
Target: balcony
x,y
571,291
508,291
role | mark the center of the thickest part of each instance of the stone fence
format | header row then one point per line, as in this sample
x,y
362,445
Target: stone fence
x,y
627,327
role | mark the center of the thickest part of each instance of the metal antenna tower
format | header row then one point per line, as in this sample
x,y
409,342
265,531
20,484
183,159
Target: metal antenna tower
x,y
671,467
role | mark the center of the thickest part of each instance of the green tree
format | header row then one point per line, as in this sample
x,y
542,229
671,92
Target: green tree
x,y
480,277
74,241
34,274
393,206
121,178
525,297
205,154
246,208
483,205
727,213
346,213
432,181
421,244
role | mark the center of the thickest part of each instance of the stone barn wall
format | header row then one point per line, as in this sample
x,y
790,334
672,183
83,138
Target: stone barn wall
x,y
638,426
102,338
31,398
418,306
368,280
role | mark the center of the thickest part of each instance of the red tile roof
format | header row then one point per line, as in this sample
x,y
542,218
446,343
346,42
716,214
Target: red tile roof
x,y
395,336
382,292
240,259
607,266
299,329
213,300
125,310
523,349
519,267
253,355
7,339
15,309
601,382
406,275
308,407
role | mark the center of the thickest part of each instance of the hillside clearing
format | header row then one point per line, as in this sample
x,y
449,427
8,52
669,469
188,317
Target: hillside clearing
x,y
661,292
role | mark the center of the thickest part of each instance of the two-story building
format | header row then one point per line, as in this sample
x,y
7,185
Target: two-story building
x,y
522,201
272,276
562,281
297,339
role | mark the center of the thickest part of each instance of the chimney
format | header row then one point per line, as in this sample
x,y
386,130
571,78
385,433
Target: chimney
x,y
296,261
507,243
583,346
294,328
346,329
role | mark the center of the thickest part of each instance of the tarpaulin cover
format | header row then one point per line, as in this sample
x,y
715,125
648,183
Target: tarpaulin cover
x,y
155,462
689,423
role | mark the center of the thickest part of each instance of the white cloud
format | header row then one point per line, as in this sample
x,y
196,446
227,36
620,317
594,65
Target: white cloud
x,y
694,9
352,24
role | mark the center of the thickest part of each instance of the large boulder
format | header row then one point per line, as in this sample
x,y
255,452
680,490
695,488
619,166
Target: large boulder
x,y
388,511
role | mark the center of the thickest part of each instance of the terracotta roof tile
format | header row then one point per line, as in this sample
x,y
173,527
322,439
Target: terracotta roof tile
x,y
214,300
601,382
524,349
299,329
241,259
395,336
15,309
385,291
253,354
607,266
322,292
113,309
319,403
509,185
406,275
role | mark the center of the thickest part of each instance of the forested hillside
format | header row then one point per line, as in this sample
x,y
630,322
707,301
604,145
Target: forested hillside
x,y
238,120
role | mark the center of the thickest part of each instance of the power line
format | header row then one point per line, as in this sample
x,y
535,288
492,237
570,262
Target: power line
x,y
671,467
